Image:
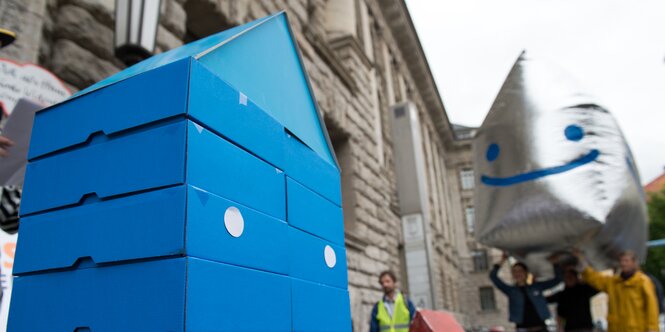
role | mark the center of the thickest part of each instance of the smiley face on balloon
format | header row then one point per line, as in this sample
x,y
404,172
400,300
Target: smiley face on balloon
x,y
572,132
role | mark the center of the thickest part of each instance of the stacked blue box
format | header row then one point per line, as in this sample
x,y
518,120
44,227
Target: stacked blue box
x,y
165,199
317,263
182,220
176,294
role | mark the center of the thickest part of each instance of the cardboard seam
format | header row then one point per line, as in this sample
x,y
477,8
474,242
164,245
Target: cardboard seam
x,y
90,141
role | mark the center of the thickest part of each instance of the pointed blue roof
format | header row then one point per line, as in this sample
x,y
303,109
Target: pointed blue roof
x,y
261,60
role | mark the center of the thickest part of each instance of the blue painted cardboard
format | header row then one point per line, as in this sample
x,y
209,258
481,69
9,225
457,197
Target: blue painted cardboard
x,y
182,88
218,166
182,220
151,96
226,298
170,154
146,296
307,259
175,141
229,113
317,307
262,245
313,213
138,226
145,160
299,162
265,64
179,294
261,60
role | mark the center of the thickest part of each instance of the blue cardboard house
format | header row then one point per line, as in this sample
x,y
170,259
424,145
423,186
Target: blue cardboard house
x,y
194,191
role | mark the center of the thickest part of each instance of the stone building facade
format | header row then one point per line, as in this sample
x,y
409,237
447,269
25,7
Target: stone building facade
x,y
363,57
485,305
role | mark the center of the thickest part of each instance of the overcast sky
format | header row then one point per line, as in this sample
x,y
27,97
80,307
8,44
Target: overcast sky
x,y
615,49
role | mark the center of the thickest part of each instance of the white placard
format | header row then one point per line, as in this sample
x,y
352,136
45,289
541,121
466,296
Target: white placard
x,y
31,82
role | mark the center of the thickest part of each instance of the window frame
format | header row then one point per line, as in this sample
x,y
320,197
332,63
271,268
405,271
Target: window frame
x,y
470,222
467,178
487,298
480,260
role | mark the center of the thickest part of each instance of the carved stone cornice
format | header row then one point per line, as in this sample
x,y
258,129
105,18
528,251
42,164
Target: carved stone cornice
x,y
352,44
328,56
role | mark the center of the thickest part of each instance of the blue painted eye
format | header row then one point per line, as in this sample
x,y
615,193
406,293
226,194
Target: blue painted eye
x,y
574,133
492,152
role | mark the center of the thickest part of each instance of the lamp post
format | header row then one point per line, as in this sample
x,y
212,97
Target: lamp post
x,y
6,37
135,29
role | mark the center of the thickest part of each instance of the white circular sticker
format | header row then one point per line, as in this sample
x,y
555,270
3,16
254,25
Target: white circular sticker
x,y
233,221
329,255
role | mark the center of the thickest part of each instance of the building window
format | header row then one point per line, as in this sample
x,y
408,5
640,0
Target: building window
x,y
479,260
487,299
464,134
470,214
467,178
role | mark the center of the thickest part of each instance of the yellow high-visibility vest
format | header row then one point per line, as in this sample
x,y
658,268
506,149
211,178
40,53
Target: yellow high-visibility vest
x,y
400,320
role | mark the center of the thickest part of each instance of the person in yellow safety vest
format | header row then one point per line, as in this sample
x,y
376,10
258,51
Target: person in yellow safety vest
x,y
394,312
632,305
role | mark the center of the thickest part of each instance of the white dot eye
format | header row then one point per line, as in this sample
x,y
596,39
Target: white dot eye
x,y
233,221
330,257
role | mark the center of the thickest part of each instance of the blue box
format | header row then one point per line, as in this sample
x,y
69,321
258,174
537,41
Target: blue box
x,y
156,199
173,153
182,220
180,294
182,88
314,259
185,88
300,162
313,213
317,307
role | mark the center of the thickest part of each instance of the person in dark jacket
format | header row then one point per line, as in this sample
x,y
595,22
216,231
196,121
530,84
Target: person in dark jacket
x,y
527,307
574,303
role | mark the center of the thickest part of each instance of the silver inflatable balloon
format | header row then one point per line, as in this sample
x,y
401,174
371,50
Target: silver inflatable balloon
x,y
553,171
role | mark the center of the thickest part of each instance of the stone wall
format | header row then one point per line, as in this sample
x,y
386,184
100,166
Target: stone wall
x,y
358,71
27,19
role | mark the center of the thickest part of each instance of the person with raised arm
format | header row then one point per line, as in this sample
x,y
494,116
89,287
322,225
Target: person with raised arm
x,y
527,307
632,305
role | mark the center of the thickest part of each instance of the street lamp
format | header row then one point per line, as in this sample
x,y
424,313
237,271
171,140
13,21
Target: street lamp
x,y
6,37
135,29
